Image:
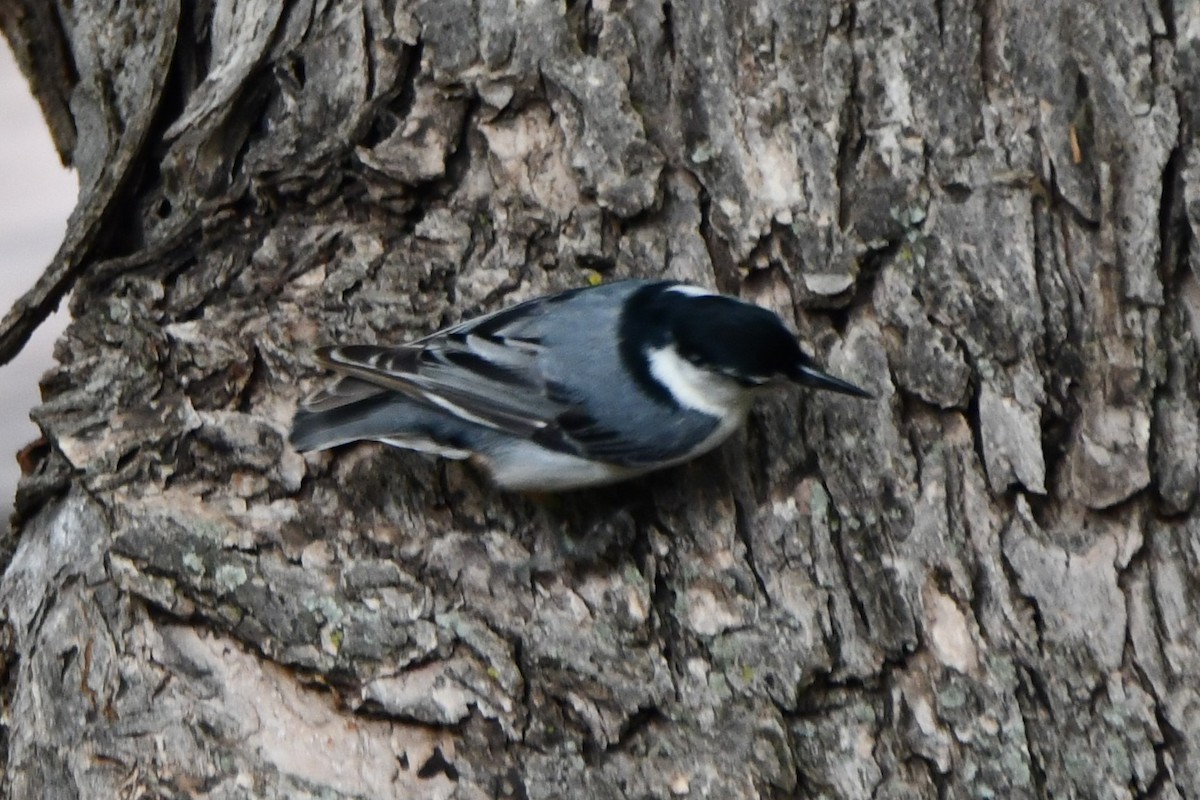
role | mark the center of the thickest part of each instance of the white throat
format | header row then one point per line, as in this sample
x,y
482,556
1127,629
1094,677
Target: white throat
x,y
696,388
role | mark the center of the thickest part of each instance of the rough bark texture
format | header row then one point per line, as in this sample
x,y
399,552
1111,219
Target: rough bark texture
x,y
985,584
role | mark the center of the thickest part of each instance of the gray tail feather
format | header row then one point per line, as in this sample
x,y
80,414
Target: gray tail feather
x,y
385,417
370,418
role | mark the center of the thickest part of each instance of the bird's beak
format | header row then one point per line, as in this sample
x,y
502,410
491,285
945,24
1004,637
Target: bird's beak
x,y
810,376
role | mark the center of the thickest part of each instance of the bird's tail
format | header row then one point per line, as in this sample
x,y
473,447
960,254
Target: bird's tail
x,y
322,428
386,417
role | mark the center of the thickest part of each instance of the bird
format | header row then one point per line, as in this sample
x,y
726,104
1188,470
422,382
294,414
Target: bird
x,y
581,388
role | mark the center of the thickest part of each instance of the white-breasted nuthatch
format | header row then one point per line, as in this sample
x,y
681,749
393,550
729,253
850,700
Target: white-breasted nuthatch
x,y
575,389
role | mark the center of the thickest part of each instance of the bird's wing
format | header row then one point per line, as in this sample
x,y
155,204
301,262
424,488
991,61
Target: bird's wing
x,y
485,370
488,371
491,383
577,431
342,392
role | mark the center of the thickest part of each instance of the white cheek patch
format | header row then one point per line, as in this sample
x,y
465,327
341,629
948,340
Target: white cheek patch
x,y
696,388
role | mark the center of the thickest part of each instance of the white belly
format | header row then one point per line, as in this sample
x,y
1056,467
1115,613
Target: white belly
x,y
525,466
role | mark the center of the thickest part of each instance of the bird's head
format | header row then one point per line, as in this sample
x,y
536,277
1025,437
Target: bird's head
x,y
708,349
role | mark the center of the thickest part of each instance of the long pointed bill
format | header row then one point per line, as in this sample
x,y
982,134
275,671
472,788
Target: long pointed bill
x,y
809,376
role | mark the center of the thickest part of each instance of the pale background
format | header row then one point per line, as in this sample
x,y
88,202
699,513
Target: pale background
x,y
36,197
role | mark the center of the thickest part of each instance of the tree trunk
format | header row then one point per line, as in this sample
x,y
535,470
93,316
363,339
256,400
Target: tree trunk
x,y
983,584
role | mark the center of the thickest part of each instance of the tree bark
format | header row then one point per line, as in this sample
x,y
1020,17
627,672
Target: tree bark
x,y
983,584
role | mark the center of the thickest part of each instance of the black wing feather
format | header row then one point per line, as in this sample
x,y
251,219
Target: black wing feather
x,y
489,371
485,371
